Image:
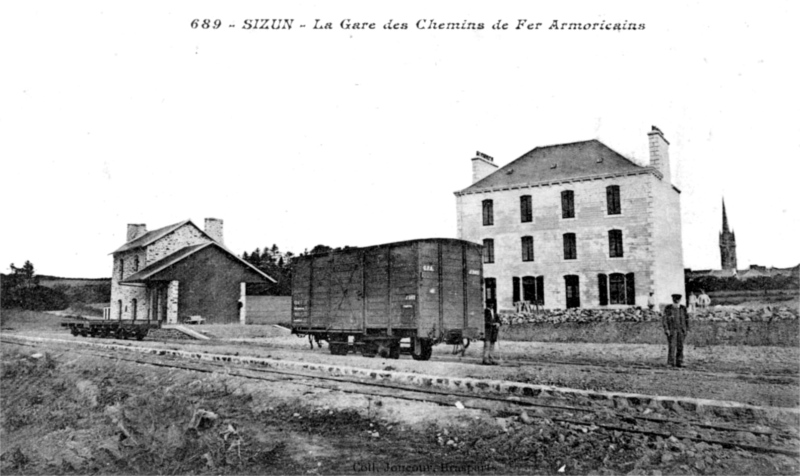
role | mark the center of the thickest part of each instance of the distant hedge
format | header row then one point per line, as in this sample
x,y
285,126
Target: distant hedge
x,y
34,298
713,283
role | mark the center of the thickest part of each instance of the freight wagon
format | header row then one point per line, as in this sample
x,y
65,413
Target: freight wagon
x,y
369,299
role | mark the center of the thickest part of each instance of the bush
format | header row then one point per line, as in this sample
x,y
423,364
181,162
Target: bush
x,y
35,298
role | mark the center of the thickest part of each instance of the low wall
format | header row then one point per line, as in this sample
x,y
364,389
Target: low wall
x,y
781,333
268,309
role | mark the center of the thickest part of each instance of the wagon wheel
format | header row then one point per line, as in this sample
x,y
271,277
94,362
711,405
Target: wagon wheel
x,y
140,335
426,350
394,350
74,331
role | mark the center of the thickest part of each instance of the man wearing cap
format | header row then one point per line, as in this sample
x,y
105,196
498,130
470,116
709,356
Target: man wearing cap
x,y
491,331
676,324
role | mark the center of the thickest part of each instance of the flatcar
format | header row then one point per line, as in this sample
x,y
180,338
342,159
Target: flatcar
x,y
420,292
118,329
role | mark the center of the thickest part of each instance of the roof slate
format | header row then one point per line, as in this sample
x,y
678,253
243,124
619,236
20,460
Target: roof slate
x,y
557,163
151,236
153,269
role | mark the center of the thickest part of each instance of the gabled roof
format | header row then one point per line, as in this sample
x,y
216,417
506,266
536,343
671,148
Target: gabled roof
x,y
152,270
561,162
152,236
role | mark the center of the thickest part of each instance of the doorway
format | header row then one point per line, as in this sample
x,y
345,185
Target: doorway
x,y
573,293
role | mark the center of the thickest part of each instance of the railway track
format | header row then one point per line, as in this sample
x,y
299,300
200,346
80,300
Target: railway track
x,y
589,418
769,377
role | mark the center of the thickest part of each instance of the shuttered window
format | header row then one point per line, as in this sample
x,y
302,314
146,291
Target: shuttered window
x,y
488,212
488,250
616,289
527,248
612,200
515,289
567,204
529,289
540,290
602,289
630,289
615,243
570,248
525,209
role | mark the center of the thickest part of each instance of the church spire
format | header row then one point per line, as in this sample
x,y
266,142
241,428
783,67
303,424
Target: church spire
x,y
724,218
727,243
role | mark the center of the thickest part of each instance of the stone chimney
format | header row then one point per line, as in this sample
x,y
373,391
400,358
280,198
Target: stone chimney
x,y
213,228
659,152
482,165
136,230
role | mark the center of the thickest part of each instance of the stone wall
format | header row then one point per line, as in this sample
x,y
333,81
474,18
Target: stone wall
x,y
123,296
187,235
716,326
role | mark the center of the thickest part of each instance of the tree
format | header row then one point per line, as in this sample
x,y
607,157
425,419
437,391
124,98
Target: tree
x,y
21,289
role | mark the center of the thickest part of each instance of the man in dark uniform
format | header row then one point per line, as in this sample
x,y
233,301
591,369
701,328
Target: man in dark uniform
x,y
491,330
676,324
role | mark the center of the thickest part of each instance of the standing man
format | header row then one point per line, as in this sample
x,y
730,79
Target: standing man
x,y
491,330
676,324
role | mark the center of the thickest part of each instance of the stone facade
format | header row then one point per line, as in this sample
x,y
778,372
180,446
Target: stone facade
x,y
648,219
184,236
129,301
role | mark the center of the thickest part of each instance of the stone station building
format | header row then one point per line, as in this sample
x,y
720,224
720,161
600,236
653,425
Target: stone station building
x,y
576,225
179,271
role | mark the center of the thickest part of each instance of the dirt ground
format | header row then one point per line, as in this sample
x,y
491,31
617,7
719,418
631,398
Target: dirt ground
x,y
65,413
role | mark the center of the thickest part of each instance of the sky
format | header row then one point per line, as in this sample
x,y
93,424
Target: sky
x,y
114,113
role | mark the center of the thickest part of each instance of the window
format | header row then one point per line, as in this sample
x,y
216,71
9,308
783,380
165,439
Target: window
x,y
533,289
525,209
567,204
617,288
570,248
527,248
529,289
119,308
612,200
488,250
515,289
615,243
121,268
136,263
488,213
134,303
490,285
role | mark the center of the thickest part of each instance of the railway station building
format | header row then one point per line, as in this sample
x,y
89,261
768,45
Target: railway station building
x,y
575,225
178,271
